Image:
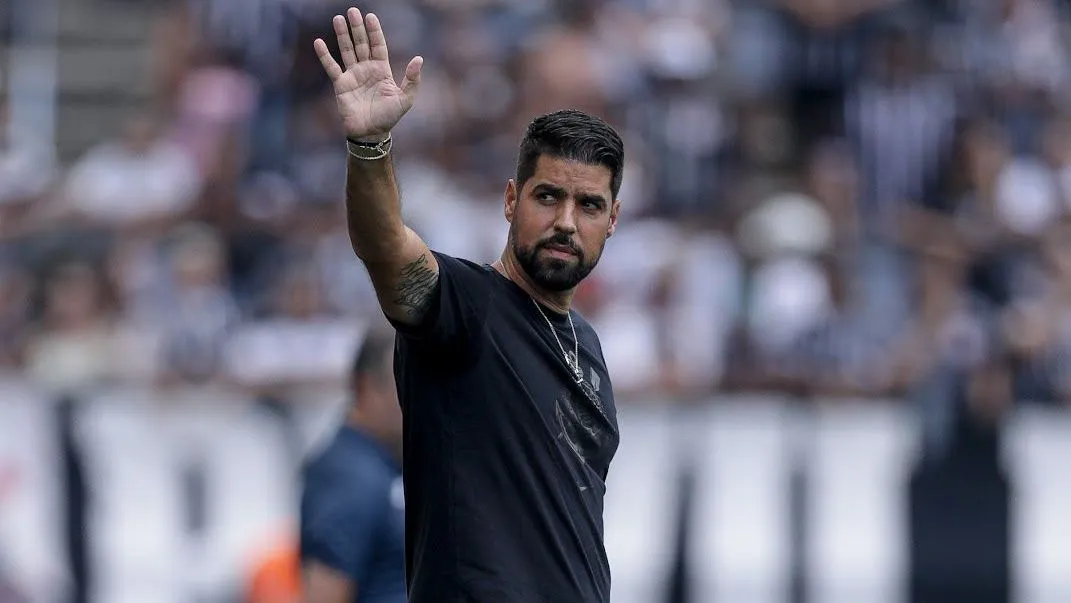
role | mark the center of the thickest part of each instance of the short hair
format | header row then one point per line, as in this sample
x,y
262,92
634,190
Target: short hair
x,y
371,359
573,135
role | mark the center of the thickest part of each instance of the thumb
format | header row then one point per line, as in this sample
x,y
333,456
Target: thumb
x,y
412,78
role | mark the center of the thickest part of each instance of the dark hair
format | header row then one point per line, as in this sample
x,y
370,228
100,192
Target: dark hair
x,y
370,361
573,135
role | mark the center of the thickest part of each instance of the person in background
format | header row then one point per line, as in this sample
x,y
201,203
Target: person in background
x,y
352,503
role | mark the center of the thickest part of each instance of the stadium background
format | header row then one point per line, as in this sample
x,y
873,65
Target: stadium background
x,y
837,312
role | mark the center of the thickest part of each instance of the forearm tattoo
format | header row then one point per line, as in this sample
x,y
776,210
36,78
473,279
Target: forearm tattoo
x,y
416,286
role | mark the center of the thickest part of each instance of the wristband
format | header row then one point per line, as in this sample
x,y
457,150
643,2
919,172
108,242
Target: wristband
x,y
369,151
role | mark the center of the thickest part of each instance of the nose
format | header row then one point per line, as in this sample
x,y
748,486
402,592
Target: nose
x,y
565,221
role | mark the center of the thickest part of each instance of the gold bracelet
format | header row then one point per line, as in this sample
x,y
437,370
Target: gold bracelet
x,y
369,152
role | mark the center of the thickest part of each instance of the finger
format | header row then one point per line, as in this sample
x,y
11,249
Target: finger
x,y
377,41
345,45
330,66
360,36
412,78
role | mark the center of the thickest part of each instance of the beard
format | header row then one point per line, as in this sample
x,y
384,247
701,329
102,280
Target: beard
x,y
553,274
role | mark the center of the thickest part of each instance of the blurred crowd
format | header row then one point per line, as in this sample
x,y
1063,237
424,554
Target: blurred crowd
x,y
825,197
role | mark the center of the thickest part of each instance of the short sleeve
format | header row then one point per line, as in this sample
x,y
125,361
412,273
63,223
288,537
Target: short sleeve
x,y
341,533
459,307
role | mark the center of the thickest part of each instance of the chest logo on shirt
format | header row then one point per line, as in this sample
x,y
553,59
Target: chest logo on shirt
x,y
586,430
594,380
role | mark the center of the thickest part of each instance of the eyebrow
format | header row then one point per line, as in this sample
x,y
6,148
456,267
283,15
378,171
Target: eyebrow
x,y
545,187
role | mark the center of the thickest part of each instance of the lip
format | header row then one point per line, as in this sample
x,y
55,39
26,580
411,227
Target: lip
x,y
561,251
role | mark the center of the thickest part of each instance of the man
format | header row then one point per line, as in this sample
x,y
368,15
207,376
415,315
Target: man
x,y
352,506
509,418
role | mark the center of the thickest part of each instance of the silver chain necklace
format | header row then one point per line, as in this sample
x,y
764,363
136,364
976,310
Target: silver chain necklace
x,y
574,362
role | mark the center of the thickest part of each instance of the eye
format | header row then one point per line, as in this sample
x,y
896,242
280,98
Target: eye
x,y
545,198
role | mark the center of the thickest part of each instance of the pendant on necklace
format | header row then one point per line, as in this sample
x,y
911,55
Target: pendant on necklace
x,y
573,363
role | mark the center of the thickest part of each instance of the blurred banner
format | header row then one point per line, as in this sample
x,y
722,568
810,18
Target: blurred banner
x,y
831,503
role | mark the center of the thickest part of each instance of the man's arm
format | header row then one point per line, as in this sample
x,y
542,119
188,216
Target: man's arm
x,y
325,585
402,268
370,103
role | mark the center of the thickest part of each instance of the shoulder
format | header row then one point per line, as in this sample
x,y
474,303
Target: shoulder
x,y
463,293
344,462
460,266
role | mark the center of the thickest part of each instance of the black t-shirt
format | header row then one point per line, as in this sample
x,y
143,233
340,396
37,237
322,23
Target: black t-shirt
x,y
505,456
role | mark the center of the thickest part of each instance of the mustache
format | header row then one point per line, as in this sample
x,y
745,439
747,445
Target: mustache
x,y
562,240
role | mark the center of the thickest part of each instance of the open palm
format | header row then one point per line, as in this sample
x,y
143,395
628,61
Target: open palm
x,y
369,100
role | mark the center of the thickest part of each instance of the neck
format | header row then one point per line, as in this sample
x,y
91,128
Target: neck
x,y
556,300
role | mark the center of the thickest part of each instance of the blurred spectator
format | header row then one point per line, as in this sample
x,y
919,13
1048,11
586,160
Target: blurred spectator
x,y
299,345
844,354
1037,324
318,169
703,300
215,102
950,327
1016,51
900,115
785,237
563,64
346,288
636,347
199,314
140,180
822,48
684,124
75,348
1005,195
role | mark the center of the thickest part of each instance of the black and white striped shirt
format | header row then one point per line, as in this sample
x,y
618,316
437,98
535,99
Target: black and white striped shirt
x,y
901,135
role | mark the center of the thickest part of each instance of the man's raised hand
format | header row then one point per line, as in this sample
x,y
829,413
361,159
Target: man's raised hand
x,y
370,102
